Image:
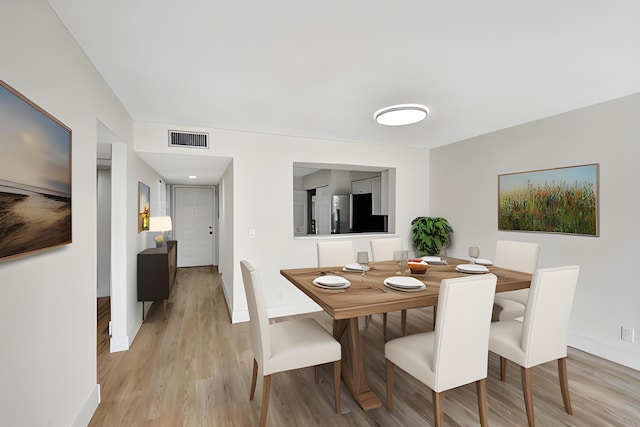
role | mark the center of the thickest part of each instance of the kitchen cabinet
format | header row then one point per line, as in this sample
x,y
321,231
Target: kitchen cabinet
x,y
299,212
376,196
378,187
323,210
384,193
362,186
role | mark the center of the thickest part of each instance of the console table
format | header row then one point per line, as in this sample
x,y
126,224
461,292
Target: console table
x,y
156,273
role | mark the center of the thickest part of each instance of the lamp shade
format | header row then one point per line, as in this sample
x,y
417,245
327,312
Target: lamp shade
x,y
160,223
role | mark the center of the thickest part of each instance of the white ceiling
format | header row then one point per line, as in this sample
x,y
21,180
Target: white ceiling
x,y
176,170
321,69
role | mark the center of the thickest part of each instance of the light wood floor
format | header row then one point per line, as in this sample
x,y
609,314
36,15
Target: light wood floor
x,y
195,370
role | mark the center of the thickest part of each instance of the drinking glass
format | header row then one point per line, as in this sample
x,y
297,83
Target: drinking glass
x,y
400,257
474,252
363,260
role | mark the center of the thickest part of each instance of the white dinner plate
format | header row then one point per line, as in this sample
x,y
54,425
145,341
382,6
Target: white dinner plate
x,y
434,260
472,268
355,267
396,288
342,286
330,281
404,282
483,261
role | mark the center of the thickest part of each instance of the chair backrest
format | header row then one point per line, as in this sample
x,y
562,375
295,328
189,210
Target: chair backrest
x,y
463,319
383,249
546,318
333,254
519,256
260,341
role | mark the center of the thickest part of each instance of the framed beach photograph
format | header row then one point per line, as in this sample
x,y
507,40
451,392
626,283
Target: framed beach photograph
x,y
144,197
35,177
560,200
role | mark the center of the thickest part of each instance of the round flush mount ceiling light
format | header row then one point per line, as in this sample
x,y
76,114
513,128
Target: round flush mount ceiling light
x,y
400,115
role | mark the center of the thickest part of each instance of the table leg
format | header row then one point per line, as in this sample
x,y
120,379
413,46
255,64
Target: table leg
x,y
347,331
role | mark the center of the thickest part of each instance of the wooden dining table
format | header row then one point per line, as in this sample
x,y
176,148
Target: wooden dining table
x,y
368,295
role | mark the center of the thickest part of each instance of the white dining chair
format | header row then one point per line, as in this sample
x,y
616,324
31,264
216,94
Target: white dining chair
x,y
335,254
541,336
287,345
518,256
455,353
383,250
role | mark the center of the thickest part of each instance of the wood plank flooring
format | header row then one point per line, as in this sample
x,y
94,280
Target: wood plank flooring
x,y
195,370
104,316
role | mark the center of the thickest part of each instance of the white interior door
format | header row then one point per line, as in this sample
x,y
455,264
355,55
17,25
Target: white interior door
x,y
194,207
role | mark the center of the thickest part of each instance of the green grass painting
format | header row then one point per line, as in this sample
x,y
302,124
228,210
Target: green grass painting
x,y
563,200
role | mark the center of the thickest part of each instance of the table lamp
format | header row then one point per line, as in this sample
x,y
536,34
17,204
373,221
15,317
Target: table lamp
x,y
160,224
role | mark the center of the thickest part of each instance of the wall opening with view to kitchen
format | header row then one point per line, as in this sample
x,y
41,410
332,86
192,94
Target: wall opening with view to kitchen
x,y
333,199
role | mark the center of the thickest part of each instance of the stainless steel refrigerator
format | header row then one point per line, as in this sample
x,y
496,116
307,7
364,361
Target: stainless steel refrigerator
x,y
340,213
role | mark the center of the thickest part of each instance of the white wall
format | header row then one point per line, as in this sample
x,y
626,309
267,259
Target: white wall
x,y
104,232
262,187
464,179
48,300
139,171
225,234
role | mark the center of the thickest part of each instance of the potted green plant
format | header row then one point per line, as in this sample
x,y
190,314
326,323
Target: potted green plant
x,y
430,234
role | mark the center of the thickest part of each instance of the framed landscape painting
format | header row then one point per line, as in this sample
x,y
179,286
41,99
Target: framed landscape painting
x,y
35,177
560,200
144,197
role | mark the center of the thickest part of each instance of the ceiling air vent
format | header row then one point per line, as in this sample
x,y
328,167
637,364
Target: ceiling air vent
x,y
188,139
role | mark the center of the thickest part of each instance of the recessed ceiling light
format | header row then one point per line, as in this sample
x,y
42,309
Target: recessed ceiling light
x,y
400,115
192,177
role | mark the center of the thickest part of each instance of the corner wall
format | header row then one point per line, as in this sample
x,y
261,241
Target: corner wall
x,y
464,178
48,300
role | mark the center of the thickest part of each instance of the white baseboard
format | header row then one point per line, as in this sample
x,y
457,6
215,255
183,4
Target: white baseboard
x,y
240,316
292,310
119,344
618,354
88,408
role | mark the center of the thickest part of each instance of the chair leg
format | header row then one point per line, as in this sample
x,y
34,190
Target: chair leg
x,y
367,320
564,384
317,374
254,379
403,315
528,394
503,369
481,386
384,326
435,312
265,399
337,369
437,409
390,367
